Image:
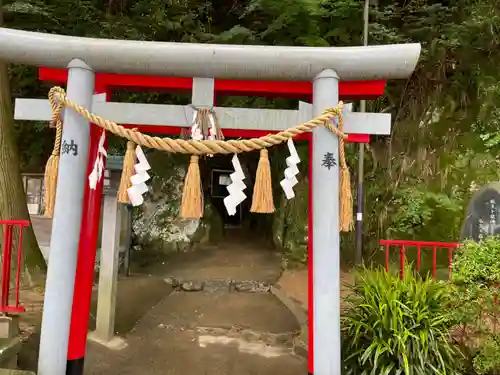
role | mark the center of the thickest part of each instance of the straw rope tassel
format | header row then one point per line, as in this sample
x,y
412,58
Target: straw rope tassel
x,y
192,196
52,166
127,172
345,193
262,201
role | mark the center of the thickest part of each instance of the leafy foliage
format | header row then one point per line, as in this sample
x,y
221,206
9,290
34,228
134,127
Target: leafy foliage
x,y
487,361
478,263
395,326
476,272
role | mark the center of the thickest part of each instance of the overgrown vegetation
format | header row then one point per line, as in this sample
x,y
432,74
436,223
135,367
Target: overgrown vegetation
x,y
395,326
445,118
476,274
420,326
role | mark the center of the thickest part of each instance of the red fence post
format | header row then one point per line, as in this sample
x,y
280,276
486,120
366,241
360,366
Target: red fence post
x,y
6,257
387,257
434,262
418,257
405,244
450,262
9,225
402,260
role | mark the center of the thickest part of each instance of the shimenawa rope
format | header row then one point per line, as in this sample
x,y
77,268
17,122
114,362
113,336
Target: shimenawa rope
x,y
59,100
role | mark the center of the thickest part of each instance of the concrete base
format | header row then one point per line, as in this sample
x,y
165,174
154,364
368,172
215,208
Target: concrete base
x,y
9,327
15,372
9,349
116,343
300,346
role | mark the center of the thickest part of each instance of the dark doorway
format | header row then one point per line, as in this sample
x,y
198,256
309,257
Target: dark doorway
x,y
220,180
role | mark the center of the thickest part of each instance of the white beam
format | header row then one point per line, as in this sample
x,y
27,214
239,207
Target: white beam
x,y
209,60
229,118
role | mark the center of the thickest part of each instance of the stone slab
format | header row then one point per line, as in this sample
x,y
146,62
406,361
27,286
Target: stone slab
x,y
154,350
257,311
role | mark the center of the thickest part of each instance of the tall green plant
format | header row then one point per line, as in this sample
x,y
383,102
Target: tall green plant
x,y
395,326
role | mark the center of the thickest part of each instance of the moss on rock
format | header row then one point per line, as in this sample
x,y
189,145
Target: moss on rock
x,y
157,227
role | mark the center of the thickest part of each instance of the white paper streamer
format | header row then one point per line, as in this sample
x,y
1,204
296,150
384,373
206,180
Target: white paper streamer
x,y
235,189
213,131
291,172
195,128
138,180
98,170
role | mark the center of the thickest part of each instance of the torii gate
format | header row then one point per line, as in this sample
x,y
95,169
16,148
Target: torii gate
x,y
323,66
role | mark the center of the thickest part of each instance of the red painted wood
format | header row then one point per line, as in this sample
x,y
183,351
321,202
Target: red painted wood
x,y
354,90
89,233
310,267
403,246
419,243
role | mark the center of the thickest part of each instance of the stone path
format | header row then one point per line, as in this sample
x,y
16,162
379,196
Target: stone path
x,y
219,319
207,312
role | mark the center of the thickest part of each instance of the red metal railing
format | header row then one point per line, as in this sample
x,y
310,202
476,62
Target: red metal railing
x,y
403,246
7,252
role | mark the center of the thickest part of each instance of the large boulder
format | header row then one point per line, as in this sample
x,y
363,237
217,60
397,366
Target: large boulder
x,y
157,227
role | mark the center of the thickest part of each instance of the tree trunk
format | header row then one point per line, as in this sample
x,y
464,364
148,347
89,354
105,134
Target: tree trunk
x,y
13,204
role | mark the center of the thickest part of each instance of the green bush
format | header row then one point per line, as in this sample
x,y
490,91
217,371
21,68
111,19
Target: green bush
x,y
394,326
476,271
487,360
478,262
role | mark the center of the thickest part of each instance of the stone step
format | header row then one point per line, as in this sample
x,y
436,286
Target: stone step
x,y
284,340
221,262
261,312
218,285
158,351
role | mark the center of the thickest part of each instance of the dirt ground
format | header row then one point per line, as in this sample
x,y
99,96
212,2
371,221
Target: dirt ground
x,y
132,303
295,284
210,331
221,332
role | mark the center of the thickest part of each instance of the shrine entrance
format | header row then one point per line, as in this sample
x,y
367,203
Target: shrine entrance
x,y
220,170
96,66
215,170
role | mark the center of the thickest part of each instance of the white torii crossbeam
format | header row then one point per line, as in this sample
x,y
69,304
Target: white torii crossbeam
x,y
229,118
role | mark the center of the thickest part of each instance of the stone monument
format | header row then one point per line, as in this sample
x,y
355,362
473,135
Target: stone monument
x,y
483,216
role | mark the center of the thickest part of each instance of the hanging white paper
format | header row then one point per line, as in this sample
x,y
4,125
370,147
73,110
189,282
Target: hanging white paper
x,y
213,130
138,180
235,189
195,128
135,196
291,171
98,170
